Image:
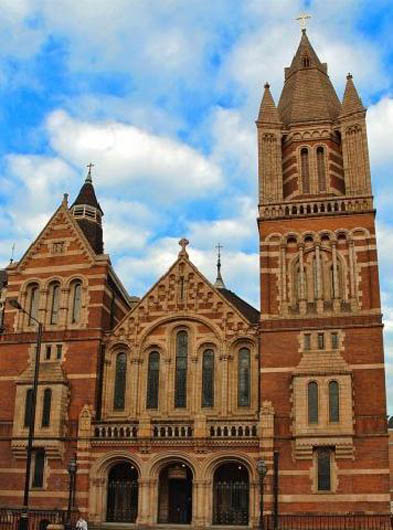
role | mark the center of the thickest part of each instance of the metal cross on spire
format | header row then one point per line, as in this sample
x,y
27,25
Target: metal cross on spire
x,y
219,283
302,19
89,167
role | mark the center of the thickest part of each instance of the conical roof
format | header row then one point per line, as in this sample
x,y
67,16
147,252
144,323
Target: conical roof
x,y
268,112
308,94
351,100
87,195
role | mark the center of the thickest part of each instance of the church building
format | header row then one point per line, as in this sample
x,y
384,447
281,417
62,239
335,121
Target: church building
x,y
168,402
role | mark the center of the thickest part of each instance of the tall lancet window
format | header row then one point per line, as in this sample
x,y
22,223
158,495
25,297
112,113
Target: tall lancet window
x,y
243,383
181,369
120,382
33,302
46,406
334,402
208,379
312,399
305,170
153,376
54,300
76,301
321,169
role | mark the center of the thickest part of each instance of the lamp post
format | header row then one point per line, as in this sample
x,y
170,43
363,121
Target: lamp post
x,y
262,471
24,520
72,467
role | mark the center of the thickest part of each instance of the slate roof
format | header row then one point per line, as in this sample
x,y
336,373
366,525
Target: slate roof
x,y
87,195
351,100
268,112
246,309
308,94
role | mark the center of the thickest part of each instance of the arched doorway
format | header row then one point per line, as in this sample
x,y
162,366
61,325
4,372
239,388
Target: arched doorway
x,y
122,503
175,494
231,493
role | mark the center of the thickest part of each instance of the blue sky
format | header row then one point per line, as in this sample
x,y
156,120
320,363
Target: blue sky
x,y
162,97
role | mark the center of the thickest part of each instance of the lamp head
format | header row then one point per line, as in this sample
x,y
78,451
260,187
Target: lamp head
x,y
14,303
261,468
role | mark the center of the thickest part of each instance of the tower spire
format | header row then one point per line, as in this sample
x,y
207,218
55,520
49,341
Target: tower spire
x,y
219,283
351,100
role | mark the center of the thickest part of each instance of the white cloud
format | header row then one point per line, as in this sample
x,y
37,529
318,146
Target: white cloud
x,y
380,130
128,156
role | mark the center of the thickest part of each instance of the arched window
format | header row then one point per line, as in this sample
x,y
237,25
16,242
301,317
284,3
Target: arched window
x,y
54,300
243,383
305,170
33,295
181,369
46,406
208,379
312,402
321,169
76,301
120,382
28,407
153,379
334,402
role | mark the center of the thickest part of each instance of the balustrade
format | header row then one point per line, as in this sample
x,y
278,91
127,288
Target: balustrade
x,y
232,430
316,207
107,430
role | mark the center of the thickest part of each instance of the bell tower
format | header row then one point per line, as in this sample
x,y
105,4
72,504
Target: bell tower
x,y
322,362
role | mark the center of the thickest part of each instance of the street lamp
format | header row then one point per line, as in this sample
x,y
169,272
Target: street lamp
x,y
262,471
24,521
72,467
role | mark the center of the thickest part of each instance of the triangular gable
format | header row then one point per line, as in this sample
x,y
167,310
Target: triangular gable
x,y
62,216
183,289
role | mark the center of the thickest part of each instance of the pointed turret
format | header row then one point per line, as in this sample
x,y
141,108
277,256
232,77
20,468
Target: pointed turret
x,y
351,100
268,112
308,94
88,212
219,283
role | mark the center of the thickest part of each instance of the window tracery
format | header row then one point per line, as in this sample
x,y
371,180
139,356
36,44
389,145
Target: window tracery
x,y
244,377
120,382
153,376
208,378
181,369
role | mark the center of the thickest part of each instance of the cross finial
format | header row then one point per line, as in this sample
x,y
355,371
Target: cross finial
x,y
183,243
302,19
89,167
219,283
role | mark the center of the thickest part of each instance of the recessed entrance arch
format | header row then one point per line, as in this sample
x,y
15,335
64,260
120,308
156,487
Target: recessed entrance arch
x,y
122,500
175,494
231,494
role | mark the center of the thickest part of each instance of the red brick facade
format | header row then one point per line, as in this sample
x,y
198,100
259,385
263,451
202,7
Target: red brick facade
x,y
304,378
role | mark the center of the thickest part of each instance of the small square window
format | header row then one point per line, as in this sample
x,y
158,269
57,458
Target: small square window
x,y
307,341
334,338
321,341
58,247
59,351
48,352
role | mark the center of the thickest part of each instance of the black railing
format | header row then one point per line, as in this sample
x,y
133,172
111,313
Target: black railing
x,y
330,522
38,518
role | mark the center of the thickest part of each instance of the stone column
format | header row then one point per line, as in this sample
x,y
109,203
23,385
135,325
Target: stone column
x,y
199,504
336,285
319,299
352,273
133,366
302,289
144,505
284,296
